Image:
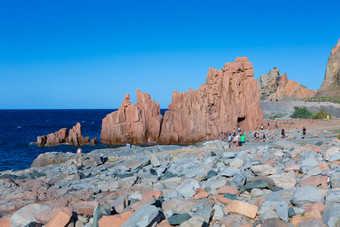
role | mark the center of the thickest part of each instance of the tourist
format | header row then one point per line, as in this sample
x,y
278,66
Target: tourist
x,y
234,141
283,133
243,139
237,138
79,150
239,129
128,146
234,134
304,132
258,137
261,126
220,136
264,138
230,140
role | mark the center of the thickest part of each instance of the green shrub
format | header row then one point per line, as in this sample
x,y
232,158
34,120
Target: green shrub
x,y
301,112
276,116
322,114
339,136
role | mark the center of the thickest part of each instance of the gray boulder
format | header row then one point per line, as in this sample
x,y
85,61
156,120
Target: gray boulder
x,y
307,194
143,217
26,215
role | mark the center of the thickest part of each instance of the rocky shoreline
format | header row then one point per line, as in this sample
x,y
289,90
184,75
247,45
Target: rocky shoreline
x,y
282,182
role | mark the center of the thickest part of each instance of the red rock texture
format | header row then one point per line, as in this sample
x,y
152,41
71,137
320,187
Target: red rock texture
x,y
74,137
133,123
229,99
51,139
61,218
331,83
275,87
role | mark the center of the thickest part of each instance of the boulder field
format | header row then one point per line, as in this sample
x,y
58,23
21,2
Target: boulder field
x,y
229,99
281,182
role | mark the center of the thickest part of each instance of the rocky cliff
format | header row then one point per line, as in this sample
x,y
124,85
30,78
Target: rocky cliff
x,y
228,99
74,137
274,87
133,123
331,83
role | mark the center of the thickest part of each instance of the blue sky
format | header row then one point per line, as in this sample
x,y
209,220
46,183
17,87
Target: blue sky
x,y
89,54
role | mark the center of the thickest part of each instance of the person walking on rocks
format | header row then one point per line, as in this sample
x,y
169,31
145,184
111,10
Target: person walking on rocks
x,y
261,126
264,138
304,132
283,133
230,140
257,137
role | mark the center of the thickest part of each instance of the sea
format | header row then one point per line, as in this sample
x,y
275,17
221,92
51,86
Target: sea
x,y
20,128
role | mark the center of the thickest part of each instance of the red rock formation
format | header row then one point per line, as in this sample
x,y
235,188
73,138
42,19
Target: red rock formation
x,y
331,83
275,87
289,89
93,141
133,123
74,137
51,139
230,98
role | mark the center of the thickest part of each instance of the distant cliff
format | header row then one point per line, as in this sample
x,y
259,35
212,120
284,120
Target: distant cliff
x,y
274,87
331,83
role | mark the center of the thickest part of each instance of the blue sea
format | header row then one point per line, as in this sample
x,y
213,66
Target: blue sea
x,y
19,128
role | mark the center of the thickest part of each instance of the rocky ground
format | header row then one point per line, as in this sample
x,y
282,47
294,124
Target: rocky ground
x,y
282,182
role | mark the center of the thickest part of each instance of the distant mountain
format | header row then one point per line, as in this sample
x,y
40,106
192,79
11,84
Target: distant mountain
x,y
274,87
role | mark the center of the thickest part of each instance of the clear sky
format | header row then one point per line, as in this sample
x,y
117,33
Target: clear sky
x,y
89,54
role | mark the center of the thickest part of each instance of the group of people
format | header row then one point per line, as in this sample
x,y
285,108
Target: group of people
x,y
238,138
234,139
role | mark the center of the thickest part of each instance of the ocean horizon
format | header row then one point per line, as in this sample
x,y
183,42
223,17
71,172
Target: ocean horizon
x,y
20,128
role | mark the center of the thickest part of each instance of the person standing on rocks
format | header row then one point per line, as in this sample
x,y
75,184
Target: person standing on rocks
x,y
283,133
243,139
257,137
304,130
261,126
264,138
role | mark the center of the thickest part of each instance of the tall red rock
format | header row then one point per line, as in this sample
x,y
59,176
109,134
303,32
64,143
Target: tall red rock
x,y
133,123
331,83
230,98
75,137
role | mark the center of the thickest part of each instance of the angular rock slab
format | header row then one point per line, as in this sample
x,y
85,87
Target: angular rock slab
x,y
27,214
142,217
306,195
246,209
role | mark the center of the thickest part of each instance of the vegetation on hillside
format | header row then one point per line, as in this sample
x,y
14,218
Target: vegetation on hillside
x,y
301,112
334,99
304,113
